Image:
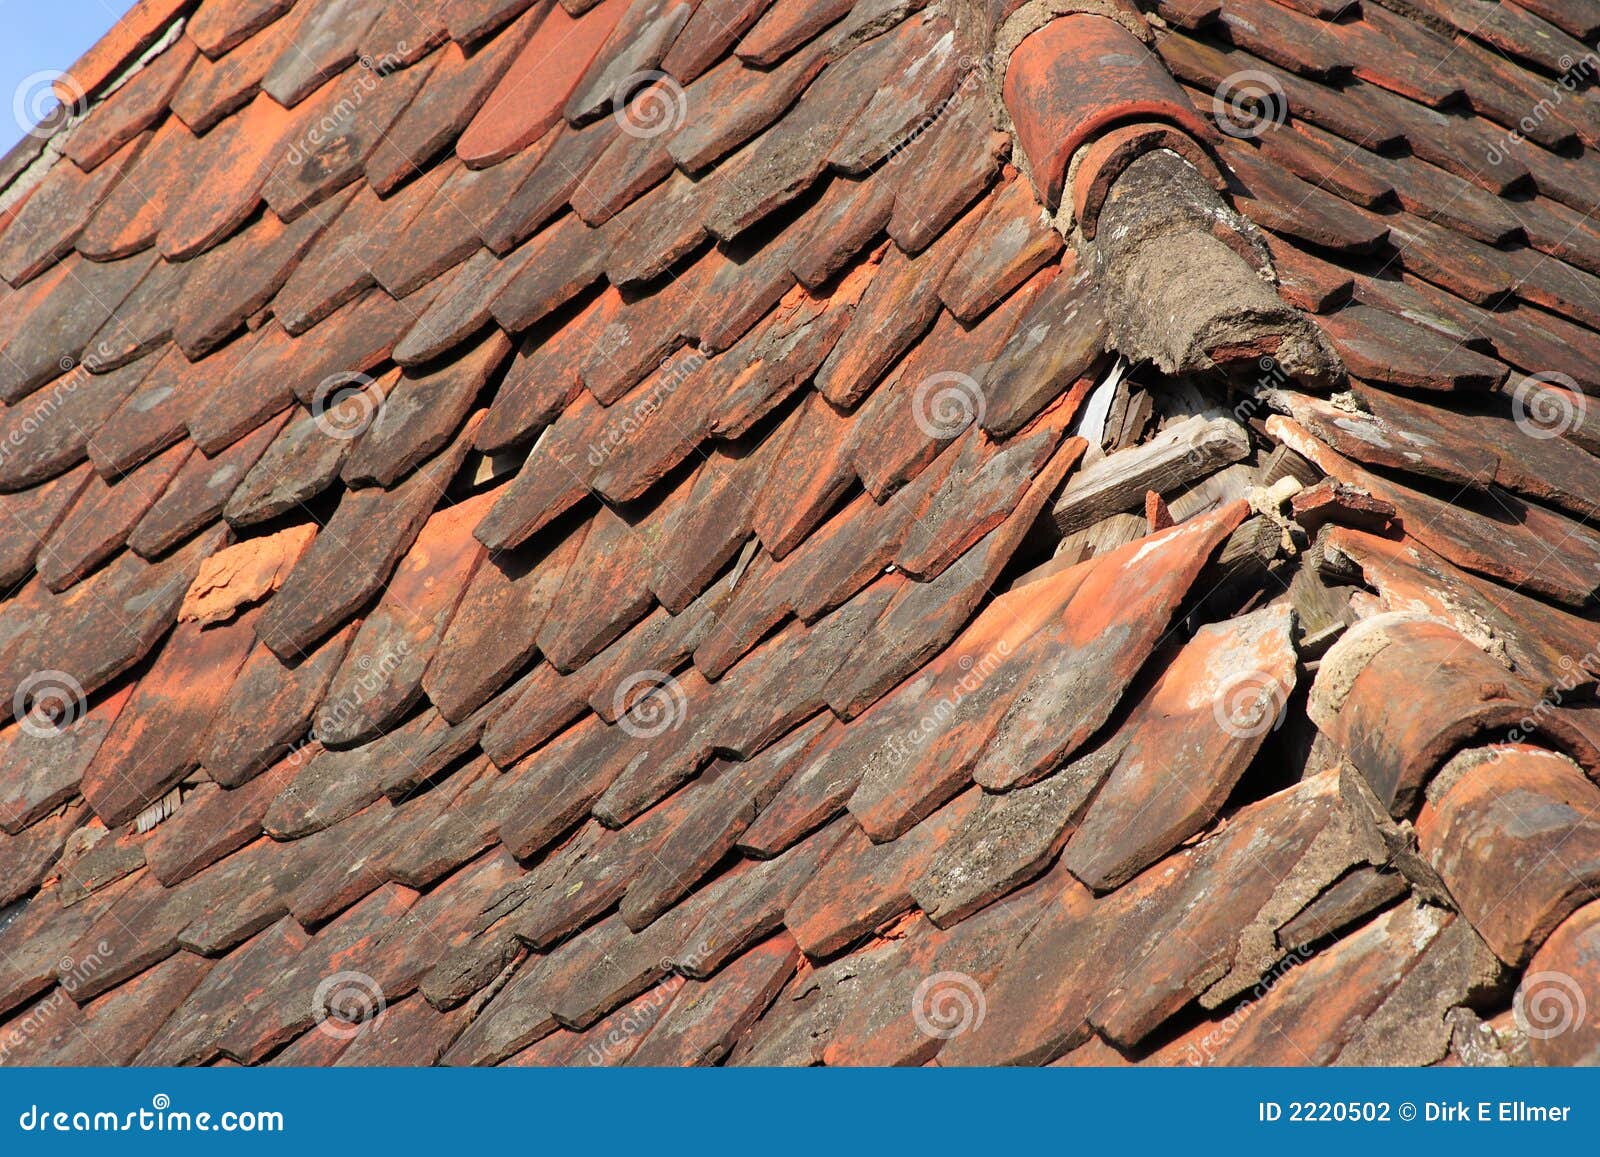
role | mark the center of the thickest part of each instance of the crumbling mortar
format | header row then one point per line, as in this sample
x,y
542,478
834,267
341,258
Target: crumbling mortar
x,y
1176,292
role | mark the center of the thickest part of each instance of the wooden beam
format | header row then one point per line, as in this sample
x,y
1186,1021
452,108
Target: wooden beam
x,y
1191,449
1285,463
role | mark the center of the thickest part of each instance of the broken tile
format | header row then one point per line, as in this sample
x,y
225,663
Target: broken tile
x,y
354,554
243,574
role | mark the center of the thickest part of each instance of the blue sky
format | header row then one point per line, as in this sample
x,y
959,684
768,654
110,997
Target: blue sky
x,y
40,35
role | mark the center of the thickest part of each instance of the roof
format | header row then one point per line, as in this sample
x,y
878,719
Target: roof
x,y
673,532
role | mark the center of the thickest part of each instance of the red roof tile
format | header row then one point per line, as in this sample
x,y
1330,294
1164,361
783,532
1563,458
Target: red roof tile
x,y
138,29
529,98
655,533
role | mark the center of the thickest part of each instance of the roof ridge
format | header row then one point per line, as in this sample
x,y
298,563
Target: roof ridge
x,y
1190,281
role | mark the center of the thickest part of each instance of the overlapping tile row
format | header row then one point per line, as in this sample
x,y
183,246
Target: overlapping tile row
x,y
1424,181
278,589
532,546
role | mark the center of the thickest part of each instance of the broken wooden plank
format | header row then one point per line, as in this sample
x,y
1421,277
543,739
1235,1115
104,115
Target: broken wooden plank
x,y
1285,463
1322,612
1186,451
1218,489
